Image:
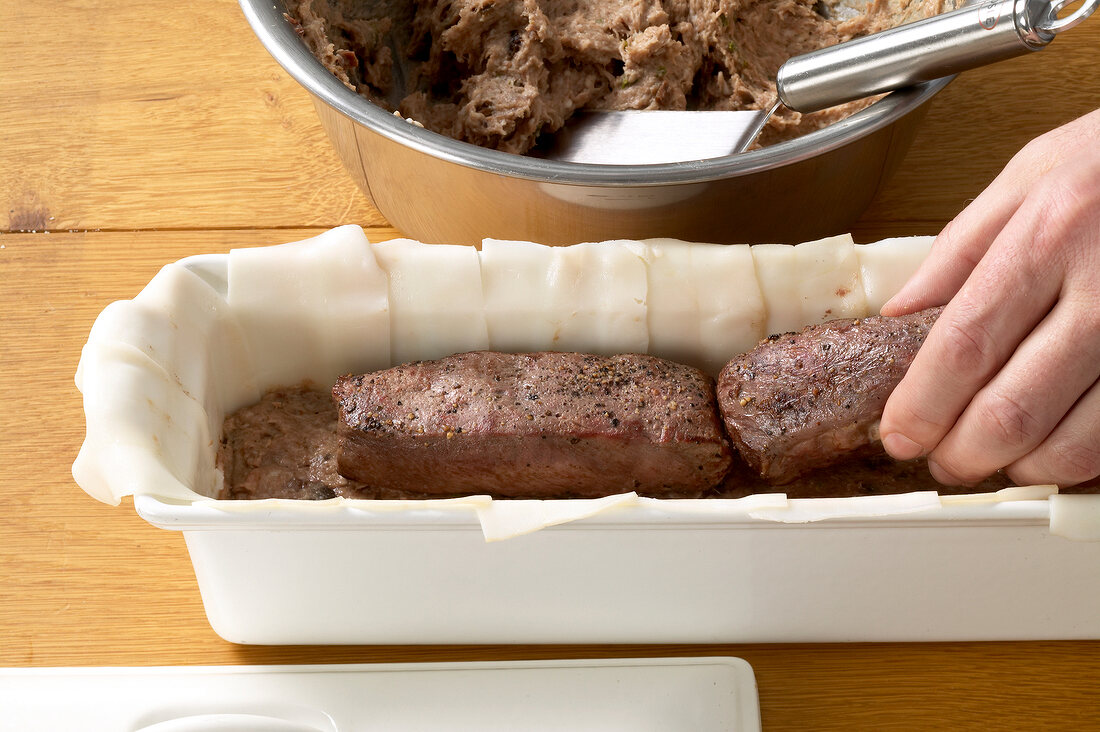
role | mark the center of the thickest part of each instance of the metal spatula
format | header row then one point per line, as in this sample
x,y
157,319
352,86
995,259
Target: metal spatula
x,y
972,36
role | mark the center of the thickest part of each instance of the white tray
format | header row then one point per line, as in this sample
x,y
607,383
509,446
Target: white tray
x,y
665,695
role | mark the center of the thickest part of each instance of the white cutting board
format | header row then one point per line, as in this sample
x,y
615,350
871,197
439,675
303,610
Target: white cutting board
x,y
665,695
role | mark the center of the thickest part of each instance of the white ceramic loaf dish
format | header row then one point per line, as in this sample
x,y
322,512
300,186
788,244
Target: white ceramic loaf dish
x,y
1014,565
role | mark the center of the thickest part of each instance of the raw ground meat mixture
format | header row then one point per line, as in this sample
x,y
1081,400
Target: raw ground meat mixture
x,y
499,73
284,446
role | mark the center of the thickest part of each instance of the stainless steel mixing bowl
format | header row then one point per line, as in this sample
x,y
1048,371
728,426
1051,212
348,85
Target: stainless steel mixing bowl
x,y
441,190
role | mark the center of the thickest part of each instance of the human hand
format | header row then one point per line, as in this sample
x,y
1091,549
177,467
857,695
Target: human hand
x,y
1008,375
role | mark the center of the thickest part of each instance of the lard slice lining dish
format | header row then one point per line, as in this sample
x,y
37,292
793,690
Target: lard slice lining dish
x,y
313,309
436,304
589,298
704,301
886,265
809,283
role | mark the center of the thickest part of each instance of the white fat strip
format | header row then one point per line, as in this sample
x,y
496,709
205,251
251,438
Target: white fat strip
x,y
185,326
587,297
809,283
775,269
830,283
135,407
435,296
672,314
604,291
705,304
887,265
732,315
521,311
311,310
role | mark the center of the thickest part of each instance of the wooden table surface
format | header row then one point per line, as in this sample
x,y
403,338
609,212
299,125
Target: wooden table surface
x,y
133,134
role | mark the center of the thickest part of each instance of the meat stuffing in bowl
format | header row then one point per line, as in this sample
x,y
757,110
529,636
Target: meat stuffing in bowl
x,y
502,73
505,94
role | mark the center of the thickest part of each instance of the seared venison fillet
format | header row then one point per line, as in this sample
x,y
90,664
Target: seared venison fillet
x,y
535,425
800,401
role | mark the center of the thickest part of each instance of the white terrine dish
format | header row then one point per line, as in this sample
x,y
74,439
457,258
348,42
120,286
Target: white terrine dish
x,y
211,333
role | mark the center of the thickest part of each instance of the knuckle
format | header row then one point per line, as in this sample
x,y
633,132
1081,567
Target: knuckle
x,y
1051,148
1008,421
955,469
947,235
1032,151
1036,157
968,347
969,259
1064,202
1074,462
949,472
1028,150
957,240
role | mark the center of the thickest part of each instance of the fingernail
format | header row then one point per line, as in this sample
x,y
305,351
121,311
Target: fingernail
x,y
901,447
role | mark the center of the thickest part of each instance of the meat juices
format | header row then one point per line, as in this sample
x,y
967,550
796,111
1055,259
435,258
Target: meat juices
x,y
800,401
498,73
538,425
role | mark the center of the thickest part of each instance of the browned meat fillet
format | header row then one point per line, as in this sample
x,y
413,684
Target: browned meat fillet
x,y
800,401
537,425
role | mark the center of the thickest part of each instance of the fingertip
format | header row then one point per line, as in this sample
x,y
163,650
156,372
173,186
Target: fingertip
x,y
892,307
923,289
902,304
901,447
908,299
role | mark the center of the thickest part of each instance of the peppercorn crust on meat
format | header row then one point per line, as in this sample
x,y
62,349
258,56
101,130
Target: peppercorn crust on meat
x,y
800,401
536,425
